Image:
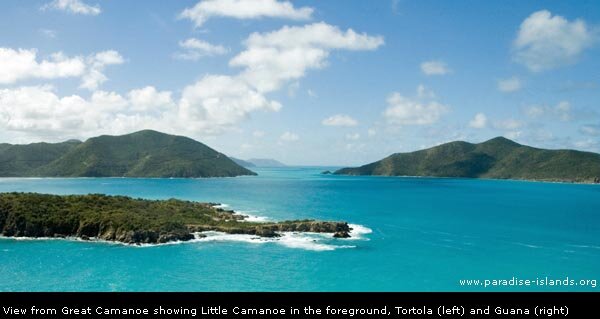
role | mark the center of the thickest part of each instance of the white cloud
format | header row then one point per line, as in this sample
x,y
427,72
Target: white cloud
x,y
73,6
258,134
508,124
270,61
274,58
21,64
39,113
311,93
244,9
339,120
545,41
406,111
561,111
435,68
196,49
148,99
512,84
94,77
372,132
479,121
217,102
353,136
289,137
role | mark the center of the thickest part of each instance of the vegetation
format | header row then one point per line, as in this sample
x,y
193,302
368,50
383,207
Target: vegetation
x,y
20,160
498,158
134,221
141,154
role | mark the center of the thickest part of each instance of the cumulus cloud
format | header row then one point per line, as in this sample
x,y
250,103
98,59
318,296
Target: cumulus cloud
x,y
561,111
73,6
196,49
22,64
94,76
339,120
547,41
218,101
402,110
211,105
434,68
269,62
244,9
289,137
148,99
39,112
512,84
274,58
479,121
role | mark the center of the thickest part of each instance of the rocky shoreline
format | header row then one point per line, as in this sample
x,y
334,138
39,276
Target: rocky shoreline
x,y
135,221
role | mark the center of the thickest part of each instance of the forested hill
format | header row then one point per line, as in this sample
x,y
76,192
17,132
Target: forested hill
x,y
498,158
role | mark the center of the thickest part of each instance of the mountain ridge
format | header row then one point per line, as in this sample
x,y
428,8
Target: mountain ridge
x,y
145,153
497,158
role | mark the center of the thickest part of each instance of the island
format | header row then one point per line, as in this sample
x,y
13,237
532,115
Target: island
x,y
145,153
135,221
498,158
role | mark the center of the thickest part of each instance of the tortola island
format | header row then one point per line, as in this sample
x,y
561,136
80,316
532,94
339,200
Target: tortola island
x,y
299,146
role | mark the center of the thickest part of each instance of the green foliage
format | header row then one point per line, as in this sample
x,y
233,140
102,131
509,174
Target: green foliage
x,y
95,214
20,160
141,154
497,158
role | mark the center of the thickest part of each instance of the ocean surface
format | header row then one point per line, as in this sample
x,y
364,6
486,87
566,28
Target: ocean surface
x,y
411,234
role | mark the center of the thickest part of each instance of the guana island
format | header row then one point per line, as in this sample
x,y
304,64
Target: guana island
x,y
153,154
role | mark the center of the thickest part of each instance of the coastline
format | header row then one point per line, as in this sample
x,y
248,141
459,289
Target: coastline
x,y
137,221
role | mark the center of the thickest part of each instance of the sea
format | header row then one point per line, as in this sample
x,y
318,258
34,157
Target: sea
x,y
409,234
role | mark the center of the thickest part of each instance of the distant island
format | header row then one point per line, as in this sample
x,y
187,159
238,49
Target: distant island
x,y
498,158
141,154
134,221
258,162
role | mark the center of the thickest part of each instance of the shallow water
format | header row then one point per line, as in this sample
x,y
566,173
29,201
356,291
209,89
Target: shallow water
x,y
427,234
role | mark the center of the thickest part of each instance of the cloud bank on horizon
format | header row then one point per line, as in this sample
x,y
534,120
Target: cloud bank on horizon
x,y
284,82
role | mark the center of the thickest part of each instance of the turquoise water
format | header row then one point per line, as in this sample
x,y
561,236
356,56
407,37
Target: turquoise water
x,y
427,234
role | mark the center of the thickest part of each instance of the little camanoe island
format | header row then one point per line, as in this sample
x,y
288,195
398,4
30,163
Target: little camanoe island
x,y
135,221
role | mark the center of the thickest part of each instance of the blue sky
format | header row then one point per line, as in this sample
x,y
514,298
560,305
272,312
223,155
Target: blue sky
x,y
305,82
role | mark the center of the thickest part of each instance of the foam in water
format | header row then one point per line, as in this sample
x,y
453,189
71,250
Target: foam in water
x,y
306,241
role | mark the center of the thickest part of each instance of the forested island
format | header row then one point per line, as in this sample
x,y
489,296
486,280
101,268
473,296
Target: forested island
x,y
498,158
145,153
135,221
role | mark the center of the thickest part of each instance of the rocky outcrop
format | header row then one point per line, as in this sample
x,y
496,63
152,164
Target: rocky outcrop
x,y
339,229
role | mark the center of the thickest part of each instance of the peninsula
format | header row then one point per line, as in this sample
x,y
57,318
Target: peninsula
x,y
498,158
135,221
141,154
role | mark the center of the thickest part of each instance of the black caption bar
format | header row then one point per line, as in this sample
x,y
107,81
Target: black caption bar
x,y
296,305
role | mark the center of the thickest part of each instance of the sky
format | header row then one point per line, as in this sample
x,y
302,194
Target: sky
x,y
332,82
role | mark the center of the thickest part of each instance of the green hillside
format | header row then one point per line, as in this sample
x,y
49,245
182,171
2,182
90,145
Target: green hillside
x,y
20,160
498,158
141,154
